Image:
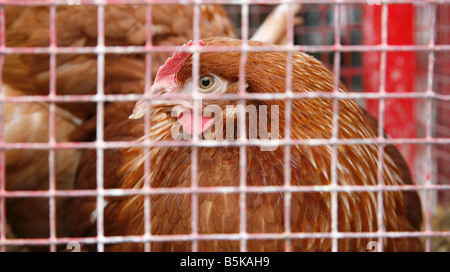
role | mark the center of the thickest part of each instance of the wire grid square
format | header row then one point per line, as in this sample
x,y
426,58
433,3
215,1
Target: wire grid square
x,y
330,35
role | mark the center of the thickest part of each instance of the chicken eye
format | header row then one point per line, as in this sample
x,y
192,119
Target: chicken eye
x,y
206,82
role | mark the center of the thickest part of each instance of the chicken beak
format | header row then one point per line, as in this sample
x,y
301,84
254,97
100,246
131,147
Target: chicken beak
x,y
159,101
139,110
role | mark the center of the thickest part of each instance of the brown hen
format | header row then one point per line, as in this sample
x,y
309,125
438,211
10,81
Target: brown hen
x,y
28,74
28,169
265,72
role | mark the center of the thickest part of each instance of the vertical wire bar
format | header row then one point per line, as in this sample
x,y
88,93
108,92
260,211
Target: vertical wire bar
x,y
347,62
147,127
51,132
242,128
429,124
287,133
2,139
381,109
196,121
99,144
323,29
335,130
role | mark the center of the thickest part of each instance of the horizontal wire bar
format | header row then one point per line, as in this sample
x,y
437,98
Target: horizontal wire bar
x,y
222,190
224,96
225,236
191,2
266,48
224,143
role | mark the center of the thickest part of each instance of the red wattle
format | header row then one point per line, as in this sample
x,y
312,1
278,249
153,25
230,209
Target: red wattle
x,y
186,120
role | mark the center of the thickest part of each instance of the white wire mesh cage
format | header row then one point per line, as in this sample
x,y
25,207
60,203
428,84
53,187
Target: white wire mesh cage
x,y
72,72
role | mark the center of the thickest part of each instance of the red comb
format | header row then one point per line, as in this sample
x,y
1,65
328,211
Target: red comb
x,y
173,64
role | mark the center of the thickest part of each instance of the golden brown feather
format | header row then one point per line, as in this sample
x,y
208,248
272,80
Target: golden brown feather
x,y
29,169
77,27
219,166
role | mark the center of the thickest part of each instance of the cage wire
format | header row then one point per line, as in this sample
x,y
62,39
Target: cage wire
x,y
402,78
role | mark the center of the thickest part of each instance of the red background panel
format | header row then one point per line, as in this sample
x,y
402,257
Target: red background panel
x,y
399,115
